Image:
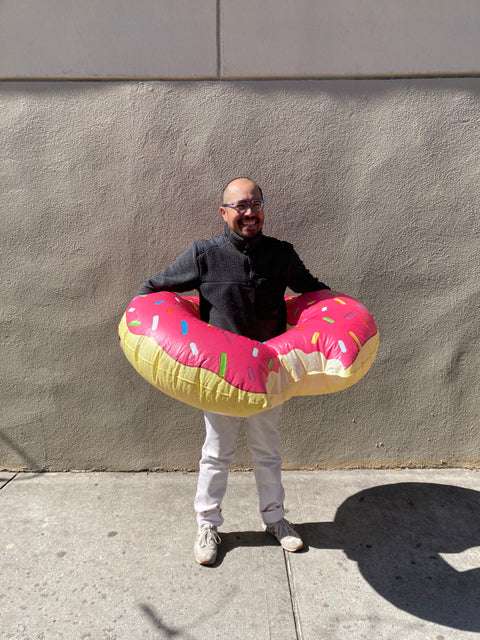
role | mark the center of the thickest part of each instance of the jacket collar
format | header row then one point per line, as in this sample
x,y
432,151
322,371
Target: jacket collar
x,y
243,244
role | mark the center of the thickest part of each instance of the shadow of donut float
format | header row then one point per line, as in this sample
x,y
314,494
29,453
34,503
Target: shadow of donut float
x,y
330,343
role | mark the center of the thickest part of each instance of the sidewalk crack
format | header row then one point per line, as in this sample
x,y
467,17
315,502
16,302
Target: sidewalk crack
x,y
293,597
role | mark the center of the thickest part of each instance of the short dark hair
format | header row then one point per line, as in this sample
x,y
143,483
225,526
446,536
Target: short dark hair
x,y
257,186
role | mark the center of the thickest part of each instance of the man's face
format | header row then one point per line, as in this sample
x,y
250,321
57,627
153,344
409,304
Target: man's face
x,y
246,224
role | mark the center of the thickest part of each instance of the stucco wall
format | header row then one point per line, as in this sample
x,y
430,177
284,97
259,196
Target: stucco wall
x,y
103,184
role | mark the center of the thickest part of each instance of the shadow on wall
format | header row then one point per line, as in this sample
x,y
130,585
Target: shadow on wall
x,y
29,462
397,533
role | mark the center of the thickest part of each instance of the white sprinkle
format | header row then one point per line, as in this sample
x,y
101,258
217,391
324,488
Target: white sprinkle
x,y
193,349
132,309
342,346
324,308
155,323
255,352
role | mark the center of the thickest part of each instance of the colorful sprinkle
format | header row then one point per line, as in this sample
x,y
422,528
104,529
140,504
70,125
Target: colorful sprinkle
x,y
154,323
350,315
170,310
315,337
223,365
132,309
134,323
160,302
342,346
338,300
251,374
300,328
360,305
311,302
328,320
324,308
228,336
184,328
296,311
254,352
356,339
193,348
271,362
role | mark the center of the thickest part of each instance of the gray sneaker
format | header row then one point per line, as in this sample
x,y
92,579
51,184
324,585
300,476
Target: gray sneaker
x,y
206,544
285,534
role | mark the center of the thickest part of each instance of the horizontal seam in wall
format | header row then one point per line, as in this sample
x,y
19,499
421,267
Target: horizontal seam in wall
x,y
235,78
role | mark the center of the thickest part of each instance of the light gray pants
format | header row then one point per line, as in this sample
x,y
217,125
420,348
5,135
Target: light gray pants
x,y
218,452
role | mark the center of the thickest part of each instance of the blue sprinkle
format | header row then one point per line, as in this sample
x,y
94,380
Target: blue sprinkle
x,y
184,328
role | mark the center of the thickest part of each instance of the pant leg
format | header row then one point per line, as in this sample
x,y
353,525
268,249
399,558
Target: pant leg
x,y
217,453
263,441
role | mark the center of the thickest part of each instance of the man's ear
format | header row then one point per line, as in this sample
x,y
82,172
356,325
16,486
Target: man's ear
x,y
223,211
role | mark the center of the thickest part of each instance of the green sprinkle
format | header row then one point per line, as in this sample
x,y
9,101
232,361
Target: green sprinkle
x,y
270,363
134,323
328,320
223,365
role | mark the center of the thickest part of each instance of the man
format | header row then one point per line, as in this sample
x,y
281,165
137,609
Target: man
x,y
241,277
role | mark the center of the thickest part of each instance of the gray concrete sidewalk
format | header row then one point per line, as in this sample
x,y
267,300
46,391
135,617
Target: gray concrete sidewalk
x,y
109,556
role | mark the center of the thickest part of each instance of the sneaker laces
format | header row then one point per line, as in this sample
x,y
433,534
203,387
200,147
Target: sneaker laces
x,y
285,529
207,536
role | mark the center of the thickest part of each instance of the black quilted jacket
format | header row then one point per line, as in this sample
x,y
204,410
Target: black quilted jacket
x,y
241,282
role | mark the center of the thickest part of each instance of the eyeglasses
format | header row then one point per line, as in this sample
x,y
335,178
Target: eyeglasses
x,y
242,206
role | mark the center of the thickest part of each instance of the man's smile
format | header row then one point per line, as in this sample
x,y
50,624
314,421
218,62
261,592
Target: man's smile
x,y
244,214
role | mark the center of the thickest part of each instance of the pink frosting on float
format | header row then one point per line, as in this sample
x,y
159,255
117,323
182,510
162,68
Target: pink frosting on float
x,y
331,323
242,362
324,321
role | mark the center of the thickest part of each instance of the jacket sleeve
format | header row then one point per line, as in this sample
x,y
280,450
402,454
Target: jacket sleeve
x,y
300,279
181,275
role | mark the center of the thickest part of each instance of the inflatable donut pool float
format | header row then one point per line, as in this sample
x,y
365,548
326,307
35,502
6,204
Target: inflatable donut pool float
x,y
330,343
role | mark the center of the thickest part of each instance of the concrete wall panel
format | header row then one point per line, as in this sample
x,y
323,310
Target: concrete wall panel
x,y
349,37
85,38
376,183
231,38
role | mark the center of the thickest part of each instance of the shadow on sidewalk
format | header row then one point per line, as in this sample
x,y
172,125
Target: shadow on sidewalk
x,y
397,533
157,623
